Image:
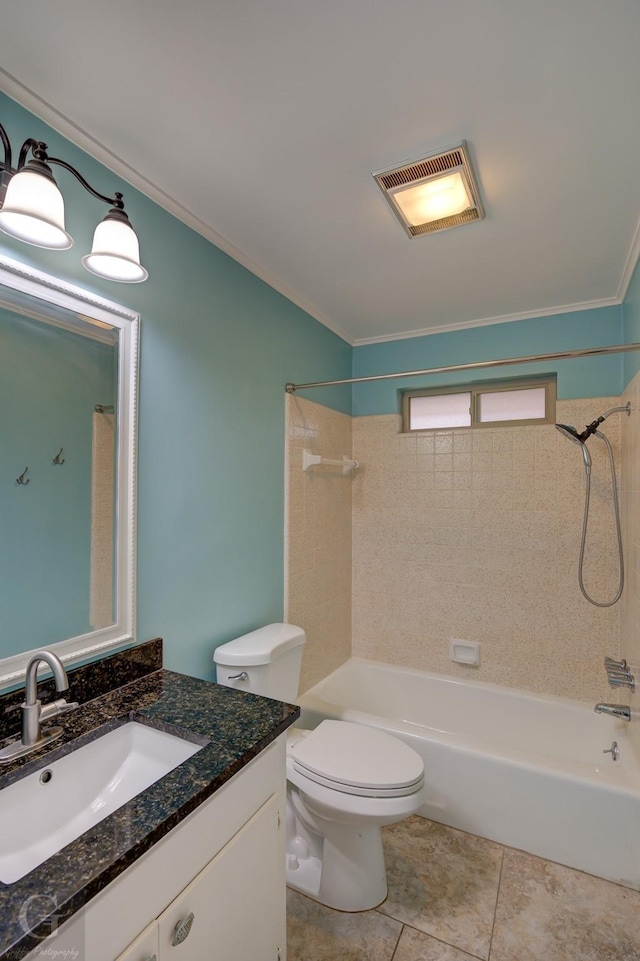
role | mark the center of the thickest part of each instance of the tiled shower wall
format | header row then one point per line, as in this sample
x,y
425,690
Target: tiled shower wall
x,y
318,537
630,608
471,535
475,535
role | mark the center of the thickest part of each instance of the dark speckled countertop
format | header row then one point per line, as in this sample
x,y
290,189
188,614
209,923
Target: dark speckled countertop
x,y
234,727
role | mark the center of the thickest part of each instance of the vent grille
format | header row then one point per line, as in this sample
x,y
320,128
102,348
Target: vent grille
x,y
466,217
455,158
425,168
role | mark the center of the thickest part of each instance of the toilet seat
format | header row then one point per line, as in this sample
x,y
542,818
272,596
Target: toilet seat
x,y
355,759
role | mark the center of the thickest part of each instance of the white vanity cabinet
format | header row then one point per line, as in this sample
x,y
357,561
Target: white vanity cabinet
x,y
218,875
229,911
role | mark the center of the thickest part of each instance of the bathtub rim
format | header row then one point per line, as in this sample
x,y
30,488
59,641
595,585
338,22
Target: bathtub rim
x,y
500,689
625,778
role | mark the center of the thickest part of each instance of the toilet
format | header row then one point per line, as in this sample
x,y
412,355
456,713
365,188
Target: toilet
x,y
344,781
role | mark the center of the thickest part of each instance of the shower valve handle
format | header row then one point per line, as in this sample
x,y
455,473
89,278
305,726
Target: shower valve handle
x,y
612,665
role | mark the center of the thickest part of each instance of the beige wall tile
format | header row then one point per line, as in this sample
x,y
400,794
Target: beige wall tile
x,y
466,534
499,567
318,534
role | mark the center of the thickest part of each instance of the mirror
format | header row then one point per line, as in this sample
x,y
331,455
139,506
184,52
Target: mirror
x,y
68,380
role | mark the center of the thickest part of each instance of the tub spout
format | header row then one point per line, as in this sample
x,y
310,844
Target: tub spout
x,y
615,710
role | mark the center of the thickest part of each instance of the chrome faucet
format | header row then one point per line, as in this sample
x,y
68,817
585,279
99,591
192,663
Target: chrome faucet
x,y
33,713
621,711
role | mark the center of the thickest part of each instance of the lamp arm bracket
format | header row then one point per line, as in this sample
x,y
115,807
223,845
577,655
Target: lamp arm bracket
x,y
115,201
36,146
28,145
7,148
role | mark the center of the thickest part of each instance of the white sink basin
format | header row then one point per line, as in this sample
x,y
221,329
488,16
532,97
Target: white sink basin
x,y
40,814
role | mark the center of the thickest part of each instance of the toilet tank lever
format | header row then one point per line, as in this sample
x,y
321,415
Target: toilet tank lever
x,y
242,676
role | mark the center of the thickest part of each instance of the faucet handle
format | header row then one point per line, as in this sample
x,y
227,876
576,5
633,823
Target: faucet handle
x,y
613,665
61,706
622,680
67,706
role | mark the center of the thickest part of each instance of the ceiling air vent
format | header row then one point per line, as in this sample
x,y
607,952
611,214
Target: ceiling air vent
x,y
433,193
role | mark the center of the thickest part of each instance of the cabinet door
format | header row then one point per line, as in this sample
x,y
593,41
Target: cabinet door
x,y
234,909
145,946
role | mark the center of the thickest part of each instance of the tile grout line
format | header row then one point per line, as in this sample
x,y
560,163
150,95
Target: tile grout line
x,y
432,937
397,942
495,910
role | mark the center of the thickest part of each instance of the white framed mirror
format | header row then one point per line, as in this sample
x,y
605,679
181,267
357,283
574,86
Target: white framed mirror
x,y
68,397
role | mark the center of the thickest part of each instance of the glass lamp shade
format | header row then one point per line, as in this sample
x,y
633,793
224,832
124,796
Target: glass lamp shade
x,y
33,211
115,253
433,199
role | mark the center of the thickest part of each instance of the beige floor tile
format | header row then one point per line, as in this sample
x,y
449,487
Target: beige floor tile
x,y
442,882
547,912
316,933
415,946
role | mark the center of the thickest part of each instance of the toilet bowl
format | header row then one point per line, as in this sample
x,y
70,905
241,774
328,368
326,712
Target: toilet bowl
x,y
344,781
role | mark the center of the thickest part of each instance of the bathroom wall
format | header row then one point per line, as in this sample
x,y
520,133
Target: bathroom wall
x,y
475,535
217,347
630,608
597,327
318,543
472,535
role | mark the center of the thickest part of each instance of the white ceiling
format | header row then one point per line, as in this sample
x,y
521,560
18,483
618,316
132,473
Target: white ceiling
x,y
259,124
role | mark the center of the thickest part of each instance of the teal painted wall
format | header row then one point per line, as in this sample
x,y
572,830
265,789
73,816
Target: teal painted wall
x,y
217,347
50,382
631,317
597,376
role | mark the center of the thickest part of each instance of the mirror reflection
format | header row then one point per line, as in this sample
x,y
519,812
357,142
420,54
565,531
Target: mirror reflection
x,y
68,387
58,391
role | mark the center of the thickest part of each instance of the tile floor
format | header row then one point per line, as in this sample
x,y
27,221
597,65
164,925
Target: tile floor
x,y
457,897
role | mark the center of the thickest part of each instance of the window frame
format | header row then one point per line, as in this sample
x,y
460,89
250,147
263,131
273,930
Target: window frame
x,y
548,382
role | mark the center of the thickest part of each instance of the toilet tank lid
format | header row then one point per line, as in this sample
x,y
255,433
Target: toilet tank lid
x,y
261,646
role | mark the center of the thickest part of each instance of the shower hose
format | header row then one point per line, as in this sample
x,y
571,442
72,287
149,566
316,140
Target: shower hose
x,y
585,522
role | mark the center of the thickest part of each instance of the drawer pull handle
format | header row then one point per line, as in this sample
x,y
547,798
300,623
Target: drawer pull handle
x,y
182,929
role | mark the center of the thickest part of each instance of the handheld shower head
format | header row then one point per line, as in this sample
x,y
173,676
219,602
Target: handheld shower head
x,y
568,431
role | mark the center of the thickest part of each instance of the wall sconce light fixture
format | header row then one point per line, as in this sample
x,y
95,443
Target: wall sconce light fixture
x,y
32,210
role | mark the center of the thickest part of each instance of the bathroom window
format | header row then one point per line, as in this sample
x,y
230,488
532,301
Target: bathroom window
x,y
490,404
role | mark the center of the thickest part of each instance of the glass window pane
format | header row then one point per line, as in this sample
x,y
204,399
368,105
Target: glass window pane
x,y
527,404
440,410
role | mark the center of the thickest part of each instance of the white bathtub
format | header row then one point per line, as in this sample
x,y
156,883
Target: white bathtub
x,y
523,769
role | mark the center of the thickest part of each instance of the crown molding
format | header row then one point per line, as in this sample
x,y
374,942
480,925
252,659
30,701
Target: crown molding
x,y
489,321
77,135
630,266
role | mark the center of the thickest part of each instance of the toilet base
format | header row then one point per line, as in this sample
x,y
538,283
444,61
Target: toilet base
x,y
305,875
349,876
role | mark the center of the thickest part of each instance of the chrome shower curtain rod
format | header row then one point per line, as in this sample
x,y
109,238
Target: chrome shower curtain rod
x,y
477,365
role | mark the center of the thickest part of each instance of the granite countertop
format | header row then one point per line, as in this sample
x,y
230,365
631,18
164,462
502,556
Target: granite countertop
x,y
233,726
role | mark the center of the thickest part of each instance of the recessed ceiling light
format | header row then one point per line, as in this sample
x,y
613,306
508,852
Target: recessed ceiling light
x,y
433,193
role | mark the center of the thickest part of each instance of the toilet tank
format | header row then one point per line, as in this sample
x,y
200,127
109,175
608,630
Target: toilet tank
x,y
269,657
